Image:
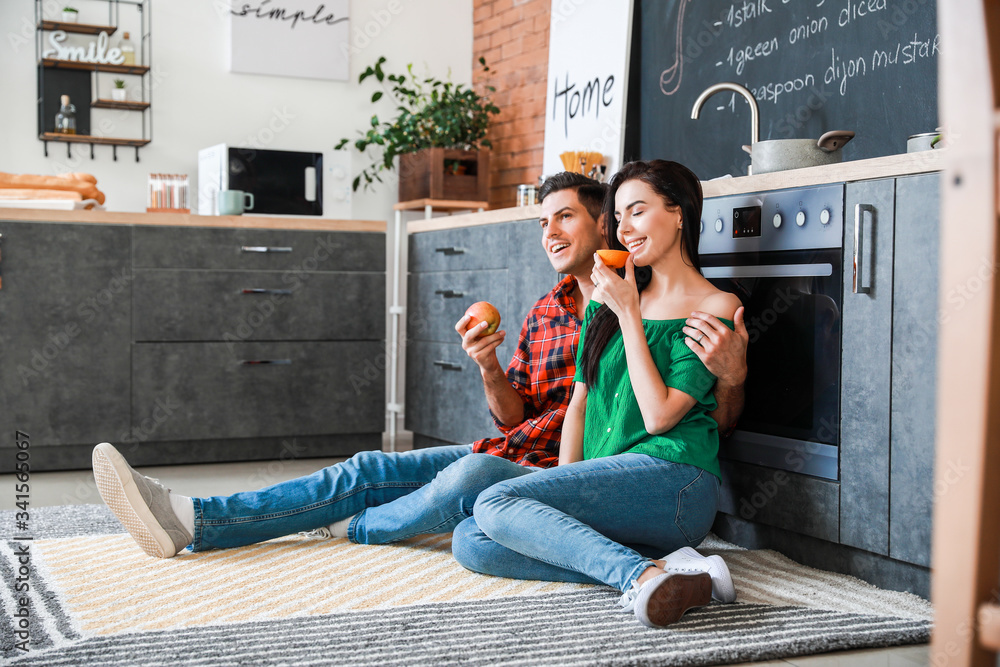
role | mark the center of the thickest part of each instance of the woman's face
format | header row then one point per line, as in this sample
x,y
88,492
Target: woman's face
x,y
646,226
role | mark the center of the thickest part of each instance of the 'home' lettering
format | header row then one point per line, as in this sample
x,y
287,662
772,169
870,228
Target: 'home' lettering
x,y
577,103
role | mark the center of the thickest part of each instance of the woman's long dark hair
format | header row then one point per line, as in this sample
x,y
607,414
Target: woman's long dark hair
x,y
677,186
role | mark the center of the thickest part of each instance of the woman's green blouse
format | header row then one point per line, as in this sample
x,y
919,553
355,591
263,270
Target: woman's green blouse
x,y
614,423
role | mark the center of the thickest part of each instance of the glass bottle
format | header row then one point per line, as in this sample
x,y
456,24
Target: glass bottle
x,y
127,49
66,118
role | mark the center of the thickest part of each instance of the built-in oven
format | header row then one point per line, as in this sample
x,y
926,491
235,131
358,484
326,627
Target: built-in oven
x,y
781,253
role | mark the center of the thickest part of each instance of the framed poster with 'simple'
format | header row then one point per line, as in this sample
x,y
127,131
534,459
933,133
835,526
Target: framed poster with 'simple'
x,y
301,38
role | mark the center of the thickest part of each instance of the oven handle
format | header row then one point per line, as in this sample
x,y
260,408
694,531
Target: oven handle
x,y
820,270
861,270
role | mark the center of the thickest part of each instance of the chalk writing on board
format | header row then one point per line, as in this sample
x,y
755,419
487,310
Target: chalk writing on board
x,y
812,66
670,78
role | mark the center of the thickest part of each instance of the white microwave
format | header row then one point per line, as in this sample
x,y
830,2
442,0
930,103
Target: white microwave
x,y
285,183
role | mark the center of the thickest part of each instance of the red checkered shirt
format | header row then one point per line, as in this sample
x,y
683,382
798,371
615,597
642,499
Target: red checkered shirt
x,y
541,372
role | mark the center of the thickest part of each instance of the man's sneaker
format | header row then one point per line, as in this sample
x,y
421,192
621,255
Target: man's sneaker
x,y
663,600
321,533
687,561
140,503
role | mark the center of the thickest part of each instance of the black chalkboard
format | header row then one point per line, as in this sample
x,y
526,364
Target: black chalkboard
x,y
813,65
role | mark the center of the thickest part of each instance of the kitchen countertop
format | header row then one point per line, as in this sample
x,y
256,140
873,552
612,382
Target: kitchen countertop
x,y
845,172
189,220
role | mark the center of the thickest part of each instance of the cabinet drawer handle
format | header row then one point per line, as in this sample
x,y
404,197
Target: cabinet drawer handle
x,y
261,362
262,290
451,250
862,270
448,366
264,248
449,294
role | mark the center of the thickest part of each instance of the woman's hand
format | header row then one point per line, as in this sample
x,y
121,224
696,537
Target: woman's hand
x,y
620,294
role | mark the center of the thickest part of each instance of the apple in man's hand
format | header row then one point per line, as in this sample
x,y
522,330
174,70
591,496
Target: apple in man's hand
x,y
483,311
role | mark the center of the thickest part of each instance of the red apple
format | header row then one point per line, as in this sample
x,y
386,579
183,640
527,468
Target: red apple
x,y
483,311
613,259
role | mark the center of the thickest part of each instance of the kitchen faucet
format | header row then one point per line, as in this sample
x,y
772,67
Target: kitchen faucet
x,y
736,88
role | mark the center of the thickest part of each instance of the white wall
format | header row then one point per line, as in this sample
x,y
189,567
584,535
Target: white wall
x,y
197,103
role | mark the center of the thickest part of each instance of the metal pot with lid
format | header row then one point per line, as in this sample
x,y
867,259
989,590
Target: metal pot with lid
x,y
781,154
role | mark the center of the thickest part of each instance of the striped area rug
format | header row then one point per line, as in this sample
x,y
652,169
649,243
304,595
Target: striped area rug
x,y
97,599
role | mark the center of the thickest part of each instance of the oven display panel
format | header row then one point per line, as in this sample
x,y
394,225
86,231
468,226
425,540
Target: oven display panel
x,y
746,222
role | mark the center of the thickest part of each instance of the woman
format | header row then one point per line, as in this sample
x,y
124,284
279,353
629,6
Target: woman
x,y
639,472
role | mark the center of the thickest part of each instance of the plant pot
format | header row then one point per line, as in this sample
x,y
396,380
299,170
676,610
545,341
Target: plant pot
x,y
70,17
118,94
422,175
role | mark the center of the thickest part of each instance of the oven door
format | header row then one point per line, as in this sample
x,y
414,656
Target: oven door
x,y
793,309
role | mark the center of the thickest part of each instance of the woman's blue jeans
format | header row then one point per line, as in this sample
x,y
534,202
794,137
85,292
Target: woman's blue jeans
x,y
394,495
596,521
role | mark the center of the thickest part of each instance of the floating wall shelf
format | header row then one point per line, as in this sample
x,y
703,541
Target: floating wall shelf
x,y
55,63
79,28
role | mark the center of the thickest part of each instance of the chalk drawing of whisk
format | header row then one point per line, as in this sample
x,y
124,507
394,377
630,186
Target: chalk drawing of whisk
x,y
670,78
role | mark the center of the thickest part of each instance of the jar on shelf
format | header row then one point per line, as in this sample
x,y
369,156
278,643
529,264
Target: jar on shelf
x,y
66,118
127,48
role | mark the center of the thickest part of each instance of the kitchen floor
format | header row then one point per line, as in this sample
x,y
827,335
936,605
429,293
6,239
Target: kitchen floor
x,y
78,488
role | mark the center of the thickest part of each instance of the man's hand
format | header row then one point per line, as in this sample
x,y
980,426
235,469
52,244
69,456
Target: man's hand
x,y
504,401
721,349
482,350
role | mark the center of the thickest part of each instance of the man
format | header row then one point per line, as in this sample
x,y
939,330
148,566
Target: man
x,y
376,497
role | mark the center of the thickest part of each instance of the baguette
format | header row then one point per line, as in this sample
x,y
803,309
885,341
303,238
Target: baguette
x,y
35,182
79,176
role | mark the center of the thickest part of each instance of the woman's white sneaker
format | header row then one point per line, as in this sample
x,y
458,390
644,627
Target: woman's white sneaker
x,y
687,560
664,599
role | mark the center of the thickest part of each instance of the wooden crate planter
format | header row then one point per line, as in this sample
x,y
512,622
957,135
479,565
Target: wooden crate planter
x,y
422,175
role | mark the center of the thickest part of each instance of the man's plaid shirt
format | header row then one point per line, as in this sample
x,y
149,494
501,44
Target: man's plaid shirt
x,y
541,371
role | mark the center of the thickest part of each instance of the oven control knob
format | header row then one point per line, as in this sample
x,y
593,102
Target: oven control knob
x,y
800,218
777,220
718,225
824,216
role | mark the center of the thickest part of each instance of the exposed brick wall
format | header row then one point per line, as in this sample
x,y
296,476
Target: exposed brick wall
x,y
513,36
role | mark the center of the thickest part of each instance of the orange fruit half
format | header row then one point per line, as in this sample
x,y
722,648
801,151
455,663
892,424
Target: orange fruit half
x,y
614,259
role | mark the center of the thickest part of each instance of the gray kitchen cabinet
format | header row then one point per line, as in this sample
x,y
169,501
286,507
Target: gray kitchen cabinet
x,y
213,391
295,252
194,305
915,315
450,270
866,373
258,335
160,340
65,305
888,401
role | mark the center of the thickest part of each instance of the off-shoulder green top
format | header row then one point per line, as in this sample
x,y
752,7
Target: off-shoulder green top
x,y
614,423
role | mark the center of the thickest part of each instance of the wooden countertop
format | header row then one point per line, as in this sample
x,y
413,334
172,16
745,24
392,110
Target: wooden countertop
x,y
189,220
845,172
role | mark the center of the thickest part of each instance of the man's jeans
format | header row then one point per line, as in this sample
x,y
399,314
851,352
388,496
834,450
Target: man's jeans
x,y
572,523
394,495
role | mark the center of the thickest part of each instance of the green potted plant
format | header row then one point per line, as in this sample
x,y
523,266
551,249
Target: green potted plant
x,y
118,92
70,14
439,136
